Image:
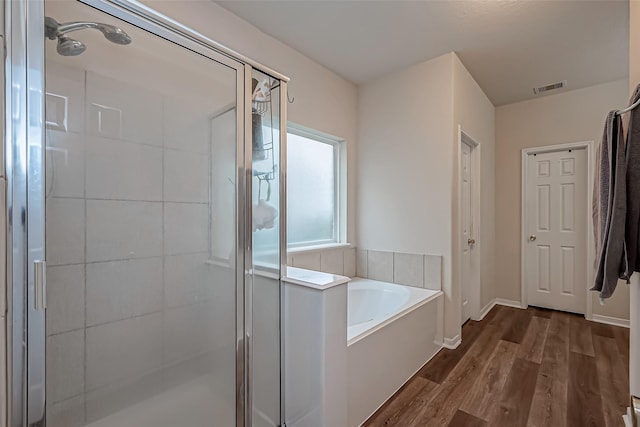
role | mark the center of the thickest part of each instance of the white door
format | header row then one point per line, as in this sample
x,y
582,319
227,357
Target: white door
x,y
467,243
556,230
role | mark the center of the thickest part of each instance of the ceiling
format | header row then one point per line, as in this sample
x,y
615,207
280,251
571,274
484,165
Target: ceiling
x,y
508,46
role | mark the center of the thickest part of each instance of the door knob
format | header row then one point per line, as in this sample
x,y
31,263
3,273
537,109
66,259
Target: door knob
x,y
471,241
532,238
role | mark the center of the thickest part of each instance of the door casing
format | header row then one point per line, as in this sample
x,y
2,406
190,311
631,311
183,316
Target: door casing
x,y
474,293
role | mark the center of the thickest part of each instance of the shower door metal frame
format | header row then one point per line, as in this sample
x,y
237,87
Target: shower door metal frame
x,y
24,160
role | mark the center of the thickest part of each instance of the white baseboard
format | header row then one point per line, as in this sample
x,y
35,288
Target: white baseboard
x,y
452,343
615,321
486,309
508,303
497,301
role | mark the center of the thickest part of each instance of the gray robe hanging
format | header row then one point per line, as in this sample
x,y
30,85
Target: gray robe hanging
x,y
609,214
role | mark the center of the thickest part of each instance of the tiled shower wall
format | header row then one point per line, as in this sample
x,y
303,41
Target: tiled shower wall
x,y
127,241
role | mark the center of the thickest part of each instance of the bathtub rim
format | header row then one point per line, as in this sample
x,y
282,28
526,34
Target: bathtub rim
x,y
433,296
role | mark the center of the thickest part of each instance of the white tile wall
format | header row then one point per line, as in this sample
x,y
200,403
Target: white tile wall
x,y
380,265
120,289
123,350
65,170
350,262
65,231
408,269
65,361
122,170
433,272
67,82
186,228
309,261
127,240
361,262
114,398
187,332
185,127
68,413
186,176
187,280
123,230
65,298
405,269
340,261
141,110
332,261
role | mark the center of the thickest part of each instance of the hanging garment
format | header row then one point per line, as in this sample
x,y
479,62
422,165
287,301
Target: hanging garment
x,y
632,239
610,205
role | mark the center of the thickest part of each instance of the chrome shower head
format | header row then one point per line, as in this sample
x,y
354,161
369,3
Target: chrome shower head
x,y
114,34
70,47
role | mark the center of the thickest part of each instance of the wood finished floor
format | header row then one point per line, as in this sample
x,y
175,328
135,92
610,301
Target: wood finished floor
x,y
531,367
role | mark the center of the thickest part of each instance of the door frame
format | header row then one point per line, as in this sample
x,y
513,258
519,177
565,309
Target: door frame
x,y
474,295
526,152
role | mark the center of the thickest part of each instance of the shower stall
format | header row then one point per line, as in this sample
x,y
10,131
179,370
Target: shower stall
x,y
144,177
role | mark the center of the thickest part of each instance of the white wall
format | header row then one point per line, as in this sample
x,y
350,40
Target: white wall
x,y
566,117
407,167
475,114
323,100
405,161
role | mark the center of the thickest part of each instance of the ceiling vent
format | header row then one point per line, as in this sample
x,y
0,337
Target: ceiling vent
x,y
547,88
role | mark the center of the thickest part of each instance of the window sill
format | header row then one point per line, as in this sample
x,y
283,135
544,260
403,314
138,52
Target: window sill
x,y
317,248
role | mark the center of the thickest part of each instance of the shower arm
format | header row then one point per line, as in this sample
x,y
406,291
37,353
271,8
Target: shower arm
x,y
75,26
53,29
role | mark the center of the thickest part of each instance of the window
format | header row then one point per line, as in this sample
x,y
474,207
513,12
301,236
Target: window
x,y
313,187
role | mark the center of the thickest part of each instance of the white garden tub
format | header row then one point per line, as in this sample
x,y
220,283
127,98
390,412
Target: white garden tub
x,y
392,331
374,304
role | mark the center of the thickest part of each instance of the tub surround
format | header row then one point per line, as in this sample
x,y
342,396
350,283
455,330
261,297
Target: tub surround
x,y
418,270
337,259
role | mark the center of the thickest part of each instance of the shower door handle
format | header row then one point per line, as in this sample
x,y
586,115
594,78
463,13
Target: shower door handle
x,y
40,285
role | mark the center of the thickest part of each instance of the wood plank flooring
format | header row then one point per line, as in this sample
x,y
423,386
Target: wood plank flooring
x,y
531,367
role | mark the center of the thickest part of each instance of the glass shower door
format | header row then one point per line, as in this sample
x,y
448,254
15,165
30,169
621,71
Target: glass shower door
x,y
143,194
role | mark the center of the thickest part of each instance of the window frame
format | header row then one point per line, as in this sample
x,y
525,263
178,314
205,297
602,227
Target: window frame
x,y
338,184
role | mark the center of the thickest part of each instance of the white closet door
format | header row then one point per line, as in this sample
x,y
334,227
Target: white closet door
x,y
556,246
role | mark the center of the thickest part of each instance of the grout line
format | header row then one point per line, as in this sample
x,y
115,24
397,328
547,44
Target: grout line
x,y
104,139
179,254
135,316
84,194
98,199
163,317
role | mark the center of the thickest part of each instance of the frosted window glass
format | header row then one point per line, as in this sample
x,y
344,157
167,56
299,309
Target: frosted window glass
x,y
310,191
